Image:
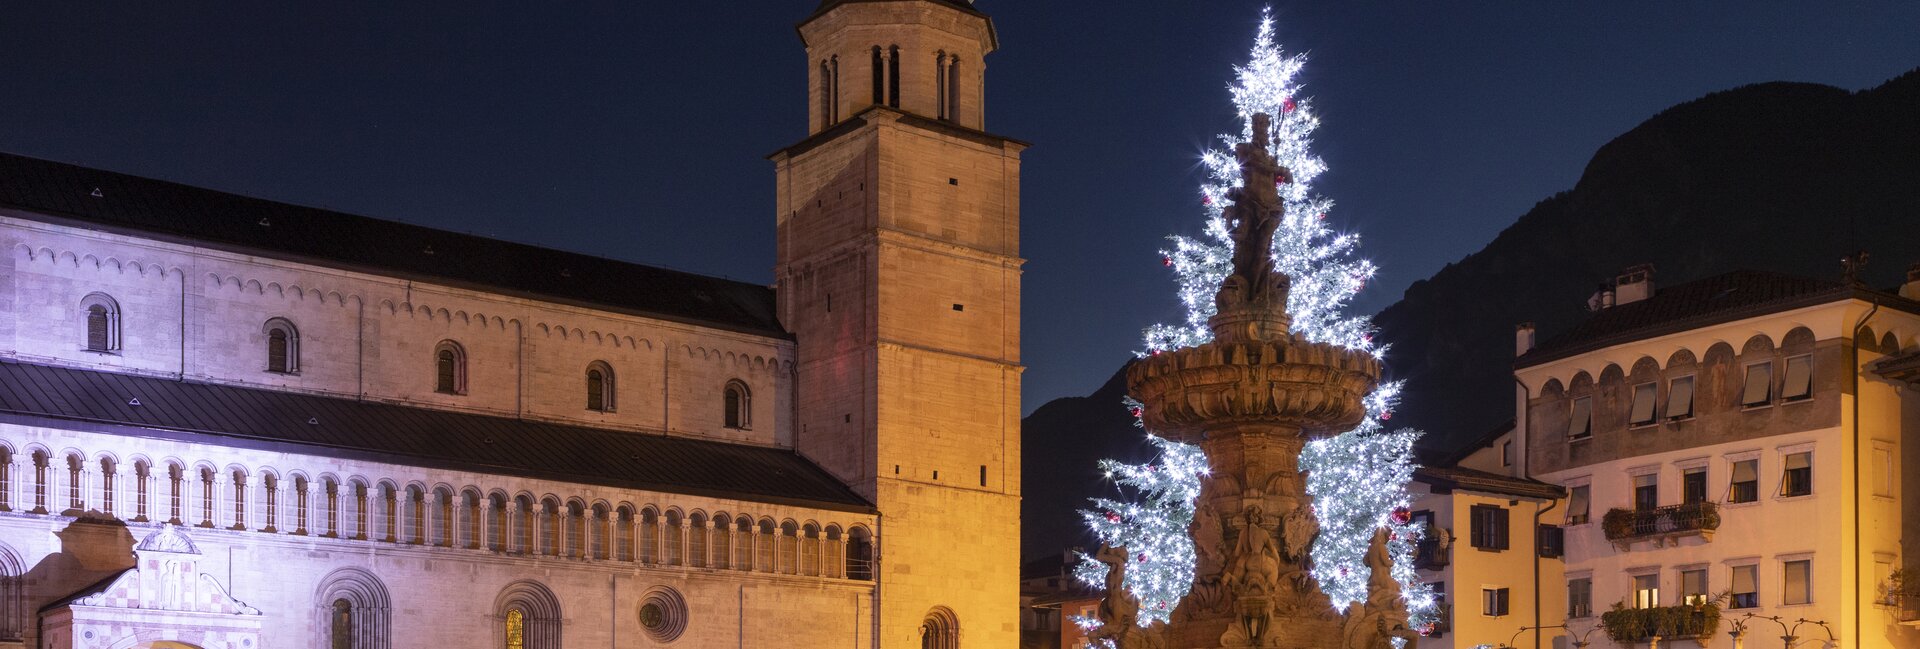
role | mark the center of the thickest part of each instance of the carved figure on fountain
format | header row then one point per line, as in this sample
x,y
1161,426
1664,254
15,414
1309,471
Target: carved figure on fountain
x,y
1375,623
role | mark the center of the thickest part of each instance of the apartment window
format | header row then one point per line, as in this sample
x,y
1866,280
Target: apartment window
x,y
1646,591
1797,582
1552,541
1746,587
1506,453
1883,580
1799,383
1582,425
1578,505
1680,398
1693,485
1580,597
1759,389
1693,587
1643,395
1487,529
1493,602
1646,491
1797,478
1883,472
1746,482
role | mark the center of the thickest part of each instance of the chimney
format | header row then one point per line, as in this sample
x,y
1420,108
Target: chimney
x,y
1634,284
1911,289
1523,339
1602,297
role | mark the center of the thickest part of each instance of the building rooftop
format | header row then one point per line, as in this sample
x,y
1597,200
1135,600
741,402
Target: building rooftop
x,y
1444,479
380,432
1722,298
125,204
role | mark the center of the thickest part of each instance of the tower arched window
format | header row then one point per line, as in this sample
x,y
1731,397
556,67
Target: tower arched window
x,y
738,402
283,346
940,629
13,596
893,76
450,368
102,315
879,77
860,554
600,387
354,610
940,82
953,88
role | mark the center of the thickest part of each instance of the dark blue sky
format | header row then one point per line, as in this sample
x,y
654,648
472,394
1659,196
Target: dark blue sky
x,y
637,130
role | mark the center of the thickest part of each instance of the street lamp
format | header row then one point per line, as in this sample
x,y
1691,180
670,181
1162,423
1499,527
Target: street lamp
x,y
1579,639
1789,634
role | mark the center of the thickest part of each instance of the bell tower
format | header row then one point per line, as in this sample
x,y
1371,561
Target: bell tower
x,y
899,274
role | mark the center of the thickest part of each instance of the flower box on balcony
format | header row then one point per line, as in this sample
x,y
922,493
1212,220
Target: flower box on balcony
x,y
1662,525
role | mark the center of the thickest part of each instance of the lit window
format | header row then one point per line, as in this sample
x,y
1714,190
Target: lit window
x,y
1797,587
1799,380
1759,389
1581,426
1796,479
1746,587
1580,597
1493,602
1693,587
1578,505
1680,398
516,629
1643,395
1746,482
1646,591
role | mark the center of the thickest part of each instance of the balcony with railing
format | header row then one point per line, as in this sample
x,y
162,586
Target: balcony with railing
x,y
1434,548
1661,525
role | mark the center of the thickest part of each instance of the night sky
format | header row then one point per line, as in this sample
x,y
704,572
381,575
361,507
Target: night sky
x,y
638,130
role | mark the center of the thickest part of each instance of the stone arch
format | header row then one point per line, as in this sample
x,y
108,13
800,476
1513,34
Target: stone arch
x,y
538,612
13,596
355,602
1757,346
940,629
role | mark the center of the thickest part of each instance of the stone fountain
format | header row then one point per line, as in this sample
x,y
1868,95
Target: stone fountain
x,y
1252,398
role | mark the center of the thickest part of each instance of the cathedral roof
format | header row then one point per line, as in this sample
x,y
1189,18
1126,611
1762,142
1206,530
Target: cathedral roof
x,y
289,422
122,203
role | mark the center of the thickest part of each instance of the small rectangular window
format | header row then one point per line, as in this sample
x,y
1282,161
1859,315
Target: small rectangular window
x,y
1581,426
1487,527
1493,602
1883,472
1759,389
1578,505
1796,479
1799,382
1693,485
1746,587
1580,597
1506,454
983,475
1680,398
1797,582
1746,482
1552,541
1693,587
1646,591
1643,404
1646,491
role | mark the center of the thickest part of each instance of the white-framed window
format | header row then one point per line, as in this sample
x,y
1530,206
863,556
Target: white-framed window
x,y
1796,582
1646,491
1680,398
1798,385
1745,484
1580,597
1796,474
1758,391
1579,504
1643,411
1646,590
1581,425
1494,602
1745,590
1693,586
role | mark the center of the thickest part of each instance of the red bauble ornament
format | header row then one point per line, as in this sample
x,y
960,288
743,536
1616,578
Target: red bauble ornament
x,y
1386,415
1113,517
1206,200
1143,557
1136,411
1288,104
1401,516
1343,571
1163,606
1166,261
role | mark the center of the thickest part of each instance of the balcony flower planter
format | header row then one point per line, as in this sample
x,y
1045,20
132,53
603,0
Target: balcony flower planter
x,y
1628,625
1661,525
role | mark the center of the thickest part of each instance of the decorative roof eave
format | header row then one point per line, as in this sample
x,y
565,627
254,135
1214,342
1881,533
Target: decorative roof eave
x,y
964,6
1451,479
1839,294
1903,367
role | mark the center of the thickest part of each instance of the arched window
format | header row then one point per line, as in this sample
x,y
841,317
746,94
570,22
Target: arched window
x,y
893,76
649,535
697,540
675,533
102,315
722,541
834,559
879,77
860,554
13,596
597,534
743,544
789,548
239,500
623,532
497,523
450,368
524,514
739,405
529,617
354,610
953,88
283,346
550,526
940,82
810,550
940,629
6,479
599,387
42,464
109,471
764,544
142,490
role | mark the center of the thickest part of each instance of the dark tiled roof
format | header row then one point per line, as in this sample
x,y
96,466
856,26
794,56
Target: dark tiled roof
x,y
1721,298
1900,367
1450,478
300,423
1486,439
192,215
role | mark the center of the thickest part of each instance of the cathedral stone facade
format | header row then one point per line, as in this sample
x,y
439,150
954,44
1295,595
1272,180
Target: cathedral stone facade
x,y
232,423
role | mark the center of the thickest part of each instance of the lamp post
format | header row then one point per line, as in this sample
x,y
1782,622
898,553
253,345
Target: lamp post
x,y
1789,634
1580,639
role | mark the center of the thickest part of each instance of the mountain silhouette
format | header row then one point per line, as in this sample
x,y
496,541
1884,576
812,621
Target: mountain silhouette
x,y
1782,177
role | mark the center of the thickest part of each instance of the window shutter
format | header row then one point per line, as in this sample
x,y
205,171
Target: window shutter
x,y
1643,403
1744,579
1796,574
1746,471
1680,398
1759,388
1500,527
1799,384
